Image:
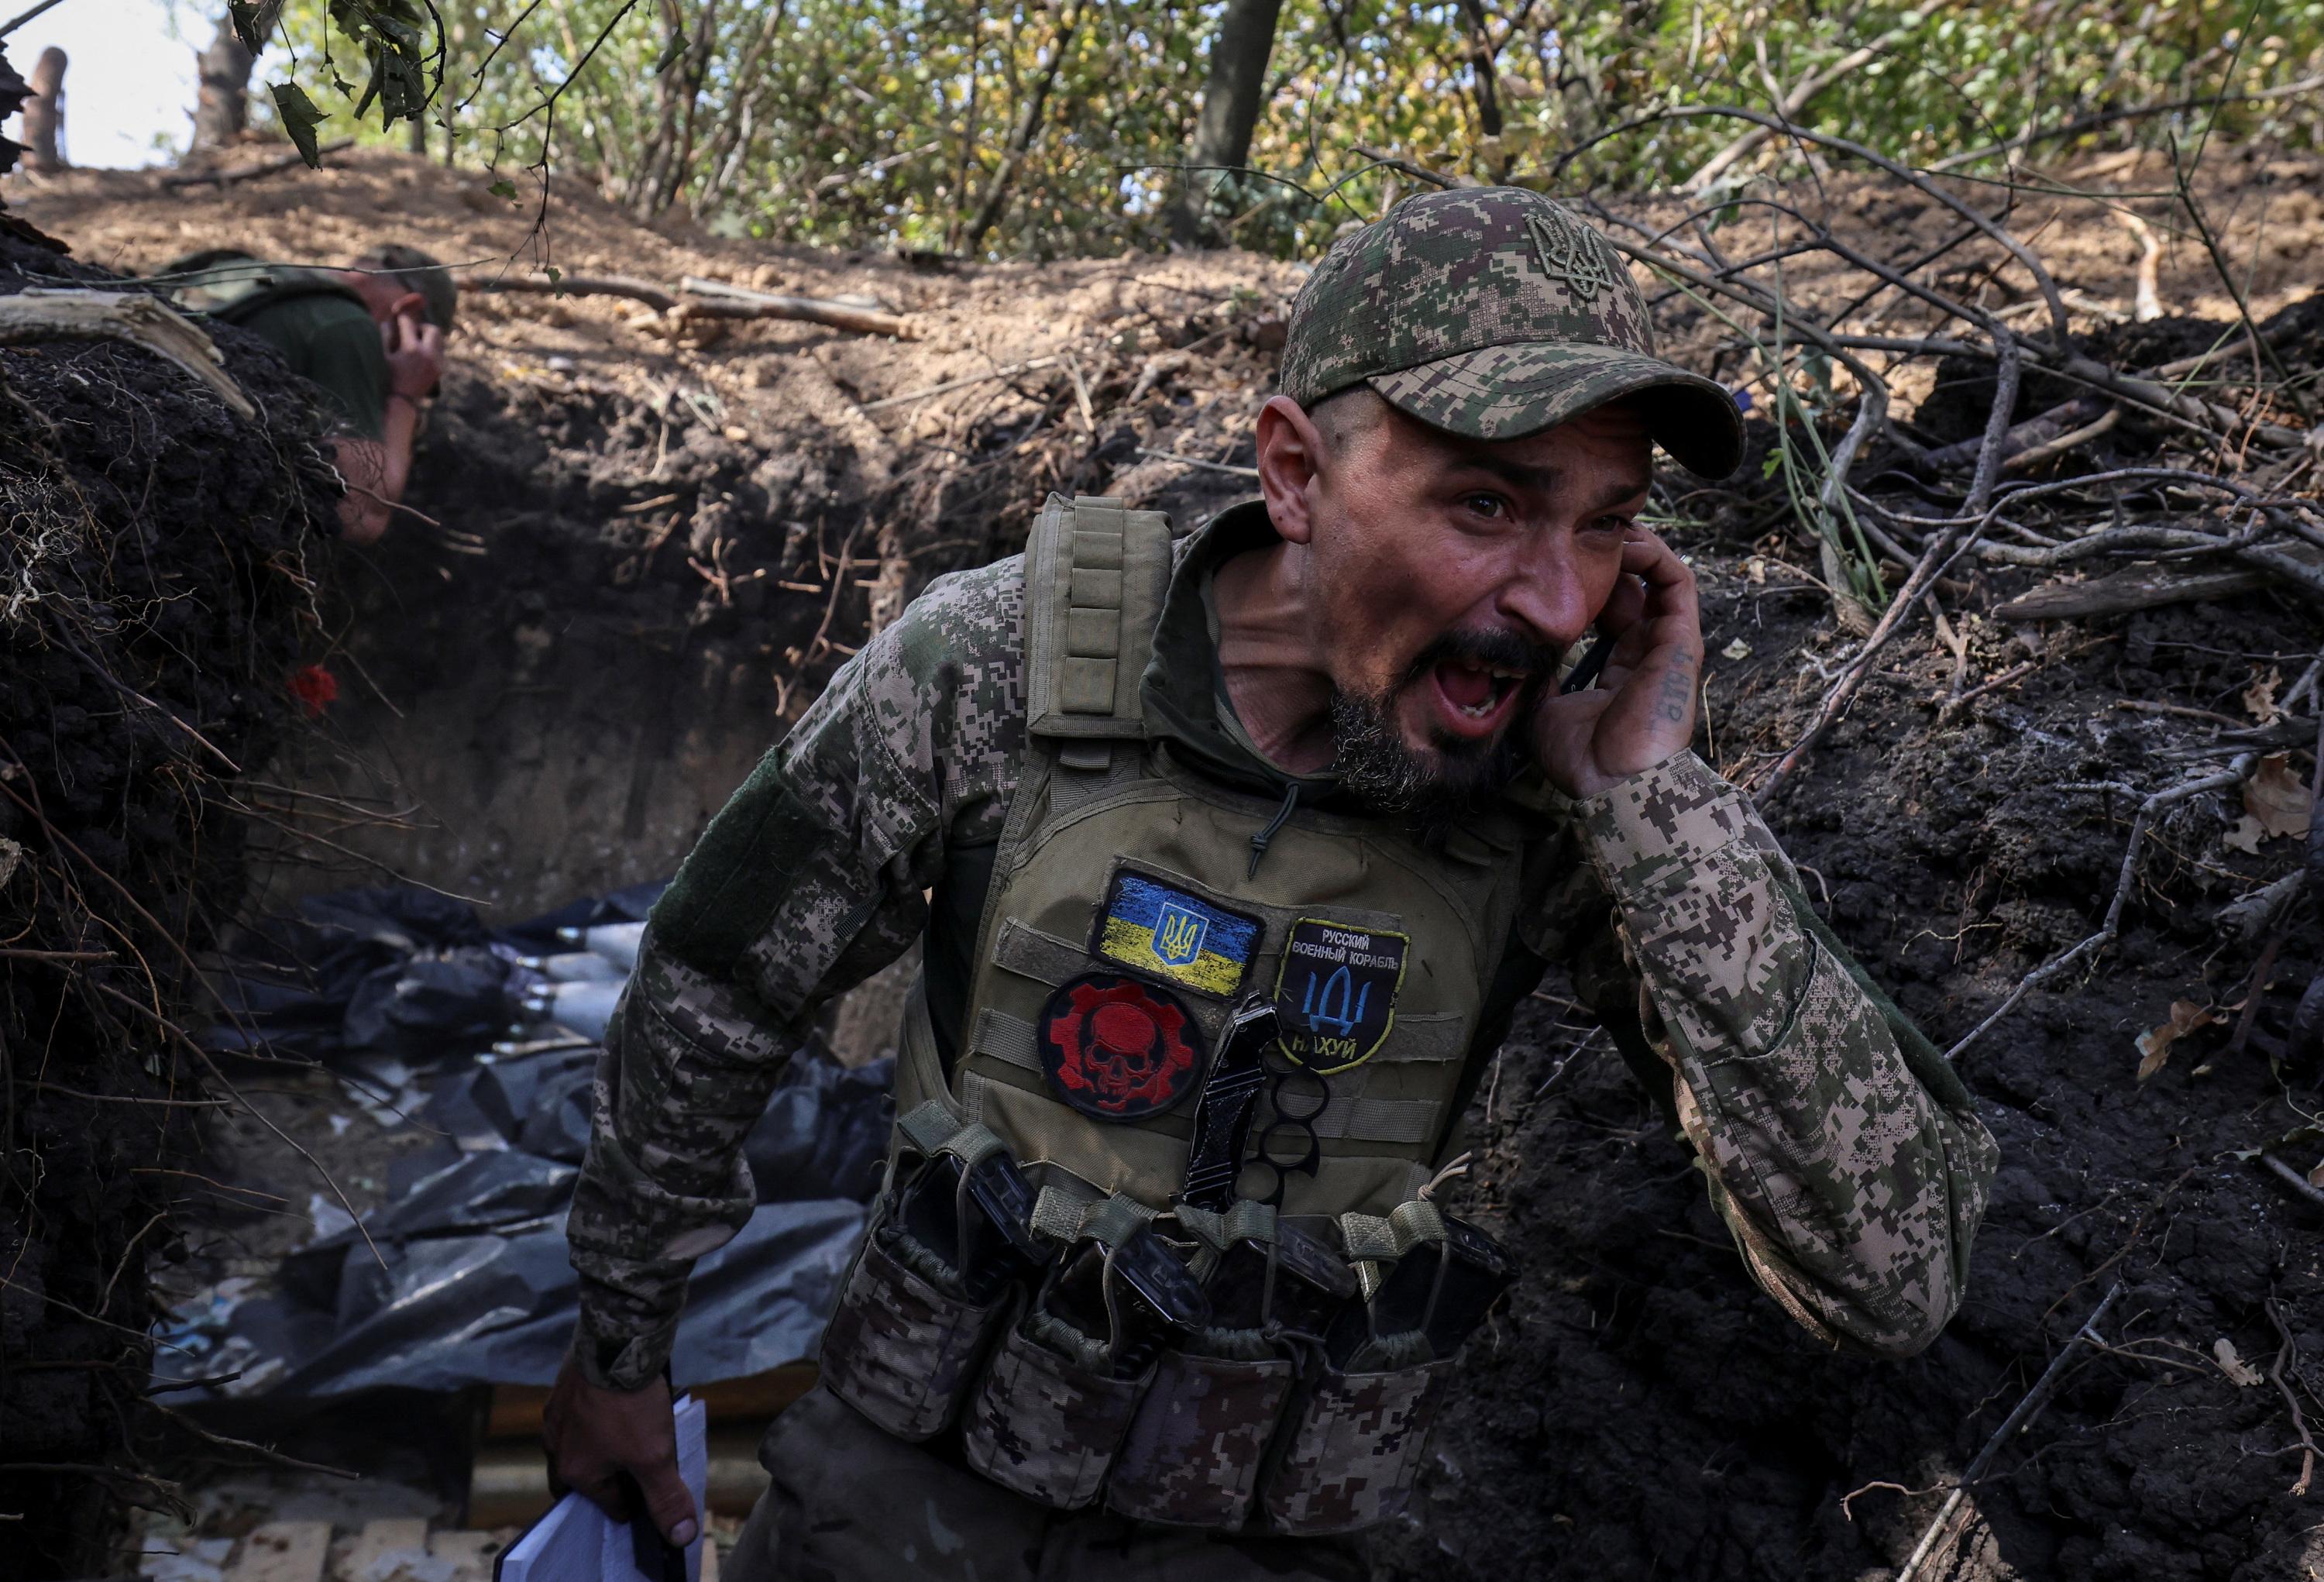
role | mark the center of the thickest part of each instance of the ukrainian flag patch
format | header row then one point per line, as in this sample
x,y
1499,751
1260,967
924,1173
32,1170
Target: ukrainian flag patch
x,y
1161,929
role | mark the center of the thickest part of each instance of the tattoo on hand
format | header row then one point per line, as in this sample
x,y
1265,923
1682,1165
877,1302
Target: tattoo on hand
x,y
1678,690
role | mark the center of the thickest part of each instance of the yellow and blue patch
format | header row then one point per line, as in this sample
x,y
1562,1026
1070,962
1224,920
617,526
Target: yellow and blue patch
x,y
1161,929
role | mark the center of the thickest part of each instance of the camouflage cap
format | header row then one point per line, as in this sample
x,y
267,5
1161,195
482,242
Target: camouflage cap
x,y
1494,313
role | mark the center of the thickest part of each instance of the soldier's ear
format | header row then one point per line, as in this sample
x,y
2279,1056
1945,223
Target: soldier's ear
x,y
1290,456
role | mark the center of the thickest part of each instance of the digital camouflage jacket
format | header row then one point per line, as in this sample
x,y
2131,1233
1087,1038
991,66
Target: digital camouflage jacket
x,y
1842,1152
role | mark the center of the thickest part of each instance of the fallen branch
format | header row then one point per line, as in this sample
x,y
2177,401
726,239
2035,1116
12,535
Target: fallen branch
x,y
135,318
228,178
2247,917
1942,551
1951,706
2036,1400
2035,455
2133,535
2142,588
2223,421
2232,775
731,301
2038,429
2291,1177
577,286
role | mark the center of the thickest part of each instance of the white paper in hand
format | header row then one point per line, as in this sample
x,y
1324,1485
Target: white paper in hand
x,y
577,1542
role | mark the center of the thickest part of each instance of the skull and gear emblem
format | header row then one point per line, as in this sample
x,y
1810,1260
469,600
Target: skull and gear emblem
x,y
1117,1049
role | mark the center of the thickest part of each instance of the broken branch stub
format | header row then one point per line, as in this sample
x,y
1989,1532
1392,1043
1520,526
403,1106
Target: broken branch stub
x,y
132,318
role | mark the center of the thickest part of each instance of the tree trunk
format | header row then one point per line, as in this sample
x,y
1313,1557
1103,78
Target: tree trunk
x,y
44,113
661,172
1232,97
1021,142
223,109
1487,89
731,139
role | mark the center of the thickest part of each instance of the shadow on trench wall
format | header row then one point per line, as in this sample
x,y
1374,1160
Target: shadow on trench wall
x,y
534,700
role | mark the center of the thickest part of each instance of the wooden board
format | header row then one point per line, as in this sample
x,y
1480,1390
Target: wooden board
x,y
508,1482
283,1551
469,1553
371,1555
516,1412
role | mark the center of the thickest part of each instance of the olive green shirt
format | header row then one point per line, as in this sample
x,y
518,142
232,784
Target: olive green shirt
x,y
330,341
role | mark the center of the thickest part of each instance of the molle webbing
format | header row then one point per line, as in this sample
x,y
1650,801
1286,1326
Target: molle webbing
x,y
1069,1216
933,1129
1374,1241
1095,574
1245,1220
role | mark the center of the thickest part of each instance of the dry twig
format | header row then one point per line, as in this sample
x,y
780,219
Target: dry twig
x,y
2233,775
2026,1409
2285,1353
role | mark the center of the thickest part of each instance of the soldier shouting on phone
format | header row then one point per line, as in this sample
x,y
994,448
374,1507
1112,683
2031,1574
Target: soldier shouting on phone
x,y
1234,855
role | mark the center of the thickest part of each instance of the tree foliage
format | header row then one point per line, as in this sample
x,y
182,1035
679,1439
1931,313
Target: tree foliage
x,y
905,122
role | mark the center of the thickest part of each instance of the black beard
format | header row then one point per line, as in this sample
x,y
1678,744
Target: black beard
x,y
1461,777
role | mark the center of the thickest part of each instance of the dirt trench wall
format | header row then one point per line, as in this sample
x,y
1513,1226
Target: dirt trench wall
x,y
1640,1411
542,688
538,697
153,596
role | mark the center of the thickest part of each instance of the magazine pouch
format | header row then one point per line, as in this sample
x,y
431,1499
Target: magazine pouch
x,y
1194,1450
1052,1410
904,1342
1352,1449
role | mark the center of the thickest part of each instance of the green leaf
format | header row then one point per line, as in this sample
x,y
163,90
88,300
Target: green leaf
x,y
555,275
504,187
253,20
671,50
299,119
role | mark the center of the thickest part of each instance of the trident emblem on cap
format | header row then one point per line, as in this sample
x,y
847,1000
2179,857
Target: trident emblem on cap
x,y
1571,251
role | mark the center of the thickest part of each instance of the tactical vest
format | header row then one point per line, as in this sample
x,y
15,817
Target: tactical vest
x,y
230,285
1133,902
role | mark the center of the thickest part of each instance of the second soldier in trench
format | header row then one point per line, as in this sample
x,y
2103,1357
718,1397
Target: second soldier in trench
x,y
1309,770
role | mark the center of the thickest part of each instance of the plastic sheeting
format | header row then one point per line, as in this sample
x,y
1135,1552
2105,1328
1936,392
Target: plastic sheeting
x,y
396,972
446,1312
462,1277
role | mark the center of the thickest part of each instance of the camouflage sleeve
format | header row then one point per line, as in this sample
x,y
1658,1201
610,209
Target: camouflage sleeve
x,y
812,877
1842,1151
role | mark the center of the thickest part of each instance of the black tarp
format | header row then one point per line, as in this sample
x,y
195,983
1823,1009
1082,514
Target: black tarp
x,y
462,1277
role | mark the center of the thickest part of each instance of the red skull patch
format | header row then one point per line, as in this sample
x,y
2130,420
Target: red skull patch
x,y
1117,1049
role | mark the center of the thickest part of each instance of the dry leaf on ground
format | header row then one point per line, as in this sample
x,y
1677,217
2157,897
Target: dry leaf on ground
x,y
2259,697
2154,1047
2239,1373
2277,797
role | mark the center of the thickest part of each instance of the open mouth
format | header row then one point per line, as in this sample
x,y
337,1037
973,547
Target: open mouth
x,y
1474,695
